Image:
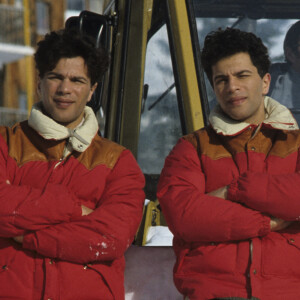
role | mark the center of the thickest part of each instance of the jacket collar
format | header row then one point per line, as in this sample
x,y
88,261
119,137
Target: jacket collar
x,y
277,117
79,138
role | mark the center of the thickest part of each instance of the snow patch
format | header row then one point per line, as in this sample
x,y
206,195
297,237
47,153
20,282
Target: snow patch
x,y
159,236
104,245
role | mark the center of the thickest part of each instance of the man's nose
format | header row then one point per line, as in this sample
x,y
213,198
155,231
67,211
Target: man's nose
x,y
64,87
232,84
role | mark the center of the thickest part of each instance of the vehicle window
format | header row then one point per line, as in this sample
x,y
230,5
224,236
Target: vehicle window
x,y
160,122
272,32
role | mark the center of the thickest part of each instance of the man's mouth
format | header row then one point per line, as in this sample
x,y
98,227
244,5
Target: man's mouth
x,y
237,101
62,103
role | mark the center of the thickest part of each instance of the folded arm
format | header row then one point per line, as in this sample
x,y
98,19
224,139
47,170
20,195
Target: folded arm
x,y
275,195
23,208
105,233
84,210
193,215
276,224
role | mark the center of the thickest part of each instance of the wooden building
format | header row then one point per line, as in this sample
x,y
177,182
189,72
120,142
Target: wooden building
x,y
22,24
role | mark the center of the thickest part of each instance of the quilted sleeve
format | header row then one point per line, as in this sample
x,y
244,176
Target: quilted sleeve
x,y
107,232
194,216
23,208
275,195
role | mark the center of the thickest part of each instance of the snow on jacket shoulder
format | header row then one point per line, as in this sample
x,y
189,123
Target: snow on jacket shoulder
x,y
225,248
65,255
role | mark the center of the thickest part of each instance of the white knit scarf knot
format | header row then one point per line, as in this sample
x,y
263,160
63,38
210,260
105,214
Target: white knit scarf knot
x,y
78,139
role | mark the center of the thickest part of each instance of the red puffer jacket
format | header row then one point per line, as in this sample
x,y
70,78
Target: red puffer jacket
x,y
225,248
65,255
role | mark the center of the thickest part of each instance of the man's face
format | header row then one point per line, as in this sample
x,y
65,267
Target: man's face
x,y
65,90
239,88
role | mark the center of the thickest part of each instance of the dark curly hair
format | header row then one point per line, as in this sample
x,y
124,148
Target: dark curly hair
x,y
67,43
224,43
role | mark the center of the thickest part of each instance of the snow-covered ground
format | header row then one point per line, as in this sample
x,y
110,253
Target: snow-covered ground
x,y
159,236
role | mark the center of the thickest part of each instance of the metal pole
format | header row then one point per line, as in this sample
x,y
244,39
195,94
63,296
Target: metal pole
x,y
28,59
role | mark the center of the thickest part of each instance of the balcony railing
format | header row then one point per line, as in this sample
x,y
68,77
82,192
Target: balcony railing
x,y
12,34
11,24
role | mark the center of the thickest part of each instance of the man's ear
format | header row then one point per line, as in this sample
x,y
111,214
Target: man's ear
x,y
266,83
93,88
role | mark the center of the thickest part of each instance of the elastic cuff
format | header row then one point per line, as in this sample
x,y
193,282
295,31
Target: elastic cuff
x,y
28,241
77,212
232,190
266,226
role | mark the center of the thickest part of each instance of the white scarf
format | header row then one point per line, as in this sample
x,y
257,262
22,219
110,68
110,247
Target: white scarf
x,y
277,116
79,138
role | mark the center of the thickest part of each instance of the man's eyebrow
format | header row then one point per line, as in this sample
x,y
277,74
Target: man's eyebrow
x,y
243,71
71,77
53,73
78,78
223,76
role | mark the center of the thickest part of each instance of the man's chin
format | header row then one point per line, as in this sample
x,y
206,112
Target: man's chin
x,y
62,120
237,117
67,122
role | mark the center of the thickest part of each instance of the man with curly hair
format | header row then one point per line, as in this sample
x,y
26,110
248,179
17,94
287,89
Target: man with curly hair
x,y
70,200
230,191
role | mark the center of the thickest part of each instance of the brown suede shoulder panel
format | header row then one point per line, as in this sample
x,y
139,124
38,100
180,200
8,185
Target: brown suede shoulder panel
x,y
287,142
272,142
208,143
26,145
101,152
